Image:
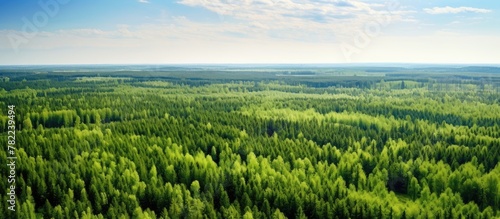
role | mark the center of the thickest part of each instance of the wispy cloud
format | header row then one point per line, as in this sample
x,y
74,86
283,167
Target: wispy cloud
x,y
258,10
327,20
144,1
455,10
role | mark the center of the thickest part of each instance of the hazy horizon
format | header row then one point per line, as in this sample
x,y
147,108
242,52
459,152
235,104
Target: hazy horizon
x,y
259,65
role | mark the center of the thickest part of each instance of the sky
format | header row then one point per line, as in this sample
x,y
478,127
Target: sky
x,y
248,31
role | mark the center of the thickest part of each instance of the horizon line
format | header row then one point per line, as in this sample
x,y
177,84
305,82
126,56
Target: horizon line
x,y
242,63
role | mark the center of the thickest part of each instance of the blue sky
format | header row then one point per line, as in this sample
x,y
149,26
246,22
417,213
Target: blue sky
x,y
248,31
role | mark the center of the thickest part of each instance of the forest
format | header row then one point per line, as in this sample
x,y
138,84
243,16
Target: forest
x,y
281,142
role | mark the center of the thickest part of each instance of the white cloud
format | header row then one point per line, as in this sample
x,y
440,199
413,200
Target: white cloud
x,y
144,1
328,20
454,10
283,10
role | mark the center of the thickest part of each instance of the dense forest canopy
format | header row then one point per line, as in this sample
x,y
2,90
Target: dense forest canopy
x,y
276,142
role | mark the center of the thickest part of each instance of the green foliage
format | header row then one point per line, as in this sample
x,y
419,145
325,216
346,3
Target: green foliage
x,y
129,147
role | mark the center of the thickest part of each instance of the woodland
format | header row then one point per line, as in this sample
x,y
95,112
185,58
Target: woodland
x,y
306,143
